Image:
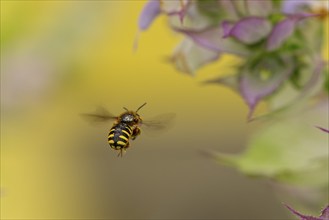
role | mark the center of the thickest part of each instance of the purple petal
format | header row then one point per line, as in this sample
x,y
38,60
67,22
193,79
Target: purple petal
x,y
188,57
283,30
325,212
250,30
295,212
325,130
259,7
302,217
294,6
212,40
227,28
324,216
280,32
150,11
309,88
253,88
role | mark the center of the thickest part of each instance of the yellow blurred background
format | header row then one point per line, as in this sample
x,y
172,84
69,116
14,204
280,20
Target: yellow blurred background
x,y
63,58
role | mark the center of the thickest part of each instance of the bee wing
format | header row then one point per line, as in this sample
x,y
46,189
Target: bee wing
x,y
158,124
100,115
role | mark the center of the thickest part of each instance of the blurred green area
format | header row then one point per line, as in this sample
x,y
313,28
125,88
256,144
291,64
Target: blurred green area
x,y
62,58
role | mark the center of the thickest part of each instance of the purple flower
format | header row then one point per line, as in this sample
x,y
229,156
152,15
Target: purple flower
x,y
254,30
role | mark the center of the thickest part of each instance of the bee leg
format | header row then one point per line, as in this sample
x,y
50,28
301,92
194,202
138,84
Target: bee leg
x,y
120,153
128,144
136,132
123,150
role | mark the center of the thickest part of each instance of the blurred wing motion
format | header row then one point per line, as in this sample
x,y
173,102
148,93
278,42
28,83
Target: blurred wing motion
x,y
100,115
158,124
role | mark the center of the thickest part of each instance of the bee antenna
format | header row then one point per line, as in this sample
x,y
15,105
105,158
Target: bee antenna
x,y
125,109
141,107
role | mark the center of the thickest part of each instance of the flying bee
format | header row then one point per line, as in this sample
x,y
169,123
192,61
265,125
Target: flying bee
x,y
128,125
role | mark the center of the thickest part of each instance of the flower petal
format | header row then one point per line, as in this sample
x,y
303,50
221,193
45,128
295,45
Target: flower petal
x,y
227,28
324,216
291,99
314,82
325,130
303,217
212,40
150,11
294,6
325,213
175,7
259,7
250,30
283,30
253,88
240,7
228,81
194,19
189,56
230,9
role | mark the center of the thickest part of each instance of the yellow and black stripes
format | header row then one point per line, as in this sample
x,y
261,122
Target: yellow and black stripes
x,y
119,136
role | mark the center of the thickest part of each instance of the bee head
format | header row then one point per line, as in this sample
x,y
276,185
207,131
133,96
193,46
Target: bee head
x,y
131,117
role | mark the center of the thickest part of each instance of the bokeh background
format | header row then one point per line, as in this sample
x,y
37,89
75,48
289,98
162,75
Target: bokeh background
x,y
63,58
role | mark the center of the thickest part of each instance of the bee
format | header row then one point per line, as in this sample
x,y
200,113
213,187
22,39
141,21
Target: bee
x,y
128,125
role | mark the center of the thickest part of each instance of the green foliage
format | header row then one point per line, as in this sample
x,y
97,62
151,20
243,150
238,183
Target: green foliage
x,y
276,17
209,8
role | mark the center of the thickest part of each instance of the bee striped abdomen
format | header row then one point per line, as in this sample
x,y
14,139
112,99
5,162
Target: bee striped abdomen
x,y
119,136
